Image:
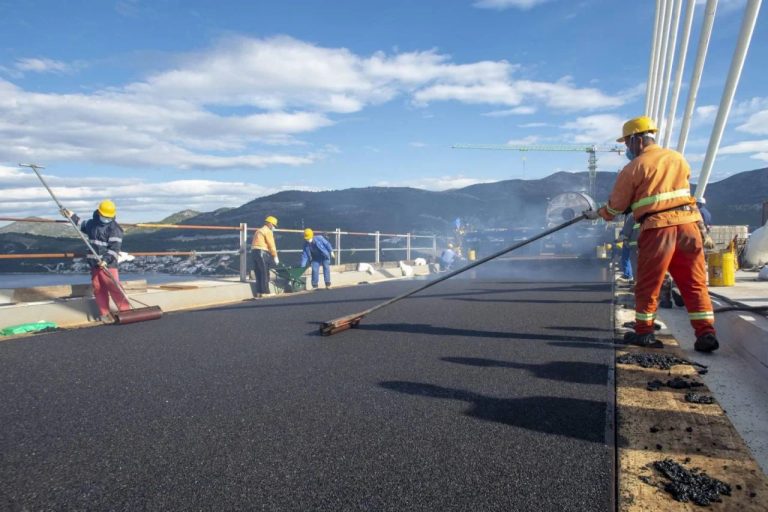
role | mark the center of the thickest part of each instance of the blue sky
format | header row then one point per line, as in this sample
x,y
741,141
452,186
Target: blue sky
x,y
165,105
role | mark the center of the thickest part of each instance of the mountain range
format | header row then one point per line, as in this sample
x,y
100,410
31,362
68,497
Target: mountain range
x,y
505,204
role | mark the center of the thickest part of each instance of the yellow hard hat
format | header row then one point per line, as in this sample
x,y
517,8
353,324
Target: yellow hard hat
x,y
272,220
637,125
608,246
107,208
308,234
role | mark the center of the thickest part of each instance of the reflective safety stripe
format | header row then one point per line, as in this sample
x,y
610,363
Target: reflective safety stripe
x,y
612,211
683,192
702,315
632,243
115,239
91,256
113,253
636,226
645,317
99,242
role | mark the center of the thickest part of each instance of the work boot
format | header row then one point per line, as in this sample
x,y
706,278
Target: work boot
x,y
665,304
328,286
706,343
631,325
647,340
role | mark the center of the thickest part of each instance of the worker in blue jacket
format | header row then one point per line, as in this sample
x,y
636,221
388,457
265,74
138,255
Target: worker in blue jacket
x,y
318,251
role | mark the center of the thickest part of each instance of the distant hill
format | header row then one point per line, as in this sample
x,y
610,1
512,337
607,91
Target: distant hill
x,y
60,229
738,199
399,209
504,204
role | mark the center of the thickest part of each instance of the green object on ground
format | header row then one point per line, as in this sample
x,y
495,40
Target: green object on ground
x,y
30,327
294,276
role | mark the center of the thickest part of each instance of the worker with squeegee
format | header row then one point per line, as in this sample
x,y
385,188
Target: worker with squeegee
x,y
655,187
106,237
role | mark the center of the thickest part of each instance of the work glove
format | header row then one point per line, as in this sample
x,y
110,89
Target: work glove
x,y
277,260
708,242
591,214
333,255
66,213
102,264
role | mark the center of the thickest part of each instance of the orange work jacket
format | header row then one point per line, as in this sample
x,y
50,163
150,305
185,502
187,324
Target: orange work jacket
x,y
655,181
264,239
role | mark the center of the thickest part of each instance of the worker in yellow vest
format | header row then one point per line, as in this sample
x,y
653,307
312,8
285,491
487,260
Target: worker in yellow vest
x,y
264,253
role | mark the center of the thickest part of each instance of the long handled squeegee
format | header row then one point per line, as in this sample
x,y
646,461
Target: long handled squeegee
x,y
347,322
121,317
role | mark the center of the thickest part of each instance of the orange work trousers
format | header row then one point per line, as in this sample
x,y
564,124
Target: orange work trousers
x,y
104,287
678,250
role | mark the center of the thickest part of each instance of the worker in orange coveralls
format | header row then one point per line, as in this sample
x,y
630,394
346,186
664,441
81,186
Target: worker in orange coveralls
x,y
655,186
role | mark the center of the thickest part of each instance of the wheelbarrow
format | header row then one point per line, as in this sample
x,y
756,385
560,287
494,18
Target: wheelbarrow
x,y
291,278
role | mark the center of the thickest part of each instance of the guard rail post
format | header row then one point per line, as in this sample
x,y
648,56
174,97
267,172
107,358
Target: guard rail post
x,y
408,247
434,246
377,247
338,246
243,252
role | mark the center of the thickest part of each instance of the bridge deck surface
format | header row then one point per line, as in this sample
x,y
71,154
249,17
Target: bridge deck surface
x,y
481,394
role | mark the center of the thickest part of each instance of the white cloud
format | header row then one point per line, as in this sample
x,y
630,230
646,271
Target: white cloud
x,y
522,110
695,157
436,183
231,105
561,95
600,128
533,125
525,141
24,196
508,4
759,148
706,112
757,123
32,65
417,144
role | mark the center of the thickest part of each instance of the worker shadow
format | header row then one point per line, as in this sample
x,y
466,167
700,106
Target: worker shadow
x,y
571,328
291,302
599,345
533,301
473,333
565,371
493,291
570,417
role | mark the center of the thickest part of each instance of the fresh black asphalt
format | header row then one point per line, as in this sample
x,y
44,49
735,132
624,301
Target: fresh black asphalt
x,y
482,393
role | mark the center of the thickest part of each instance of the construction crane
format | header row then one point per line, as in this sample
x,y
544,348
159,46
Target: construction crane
x,y
591,149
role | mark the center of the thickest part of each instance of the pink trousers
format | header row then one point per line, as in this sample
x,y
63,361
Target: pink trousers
x,y
104,287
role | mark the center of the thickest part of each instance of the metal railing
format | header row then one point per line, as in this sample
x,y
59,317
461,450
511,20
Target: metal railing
x,y
335,236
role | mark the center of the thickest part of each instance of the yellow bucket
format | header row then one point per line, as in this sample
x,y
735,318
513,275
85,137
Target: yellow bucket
x,y
471,255
722,268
